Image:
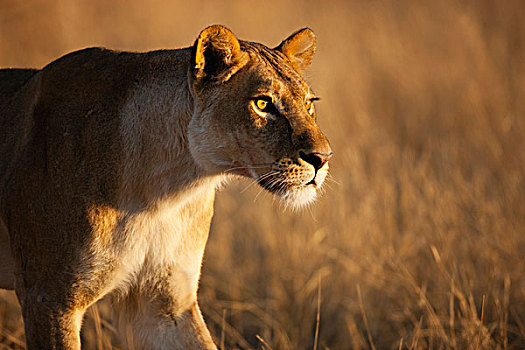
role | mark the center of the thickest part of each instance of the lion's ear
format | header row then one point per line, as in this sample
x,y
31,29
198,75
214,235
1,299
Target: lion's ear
x,y
216,55
299,48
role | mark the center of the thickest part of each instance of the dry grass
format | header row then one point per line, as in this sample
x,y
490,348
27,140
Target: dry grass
x,y
419,242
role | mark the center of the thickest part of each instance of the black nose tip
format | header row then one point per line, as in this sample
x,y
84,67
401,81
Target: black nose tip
x,y
315,158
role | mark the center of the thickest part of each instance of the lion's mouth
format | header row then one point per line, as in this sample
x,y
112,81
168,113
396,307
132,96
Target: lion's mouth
x,y
277,184
312,182
294,195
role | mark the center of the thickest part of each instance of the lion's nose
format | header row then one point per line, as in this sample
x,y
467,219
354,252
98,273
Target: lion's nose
x,y
317,159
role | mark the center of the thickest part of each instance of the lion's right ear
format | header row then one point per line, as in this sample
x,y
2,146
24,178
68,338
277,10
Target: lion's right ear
x,y
216,55
299,48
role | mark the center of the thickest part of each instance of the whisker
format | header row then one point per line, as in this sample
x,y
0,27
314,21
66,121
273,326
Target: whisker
x,y
266,175
268,186
331,178
262,177
258,193
276,181
281,188
325,185
260,166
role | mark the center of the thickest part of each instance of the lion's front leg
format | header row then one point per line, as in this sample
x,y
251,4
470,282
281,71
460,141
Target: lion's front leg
x,y
161,312
145,325
51,325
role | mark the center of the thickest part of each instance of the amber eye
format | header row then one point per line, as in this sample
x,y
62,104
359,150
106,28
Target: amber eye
x,y
309,104
261,104
264,107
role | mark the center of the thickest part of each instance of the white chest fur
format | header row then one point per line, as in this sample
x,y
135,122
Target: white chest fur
x,y
168,239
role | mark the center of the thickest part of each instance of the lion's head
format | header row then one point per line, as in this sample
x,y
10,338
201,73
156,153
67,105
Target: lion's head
x,y
254,115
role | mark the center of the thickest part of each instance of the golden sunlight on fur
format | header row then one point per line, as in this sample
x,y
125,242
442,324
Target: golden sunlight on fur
x,y
109,191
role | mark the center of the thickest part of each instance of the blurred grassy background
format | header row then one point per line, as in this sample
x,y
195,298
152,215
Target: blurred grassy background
x,y
419,241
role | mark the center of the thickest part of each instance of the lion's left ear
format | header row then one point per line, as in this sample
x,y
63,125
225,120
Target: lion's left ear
x,y
299,48
216,55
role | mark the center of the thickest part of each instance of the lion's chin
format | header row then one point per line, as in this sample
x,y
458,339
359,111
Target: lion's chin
x,y
298,197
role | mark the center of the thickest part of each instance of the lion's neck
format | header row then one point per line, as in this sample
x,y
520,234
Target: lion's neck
x,y
157,161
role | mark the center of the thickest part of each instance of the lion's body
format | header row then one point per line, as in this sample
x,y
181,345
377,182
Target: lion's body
x,y
92,165
106,189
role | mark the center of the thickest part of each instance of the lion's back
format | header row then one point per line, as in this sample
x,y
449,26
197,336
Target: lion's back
x,y
53,114
65,119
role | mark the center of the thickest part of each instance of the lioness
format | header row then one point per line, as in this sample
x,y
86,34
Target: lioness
x,y
109,163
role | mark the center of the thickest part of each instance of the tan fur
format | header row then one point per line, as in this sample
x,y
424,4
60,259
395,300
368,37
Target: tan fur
x,y
109,162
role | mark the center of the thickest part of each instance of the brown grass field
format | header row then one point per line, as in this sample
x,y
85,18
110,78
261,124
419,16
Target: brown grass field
x,y
419,240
